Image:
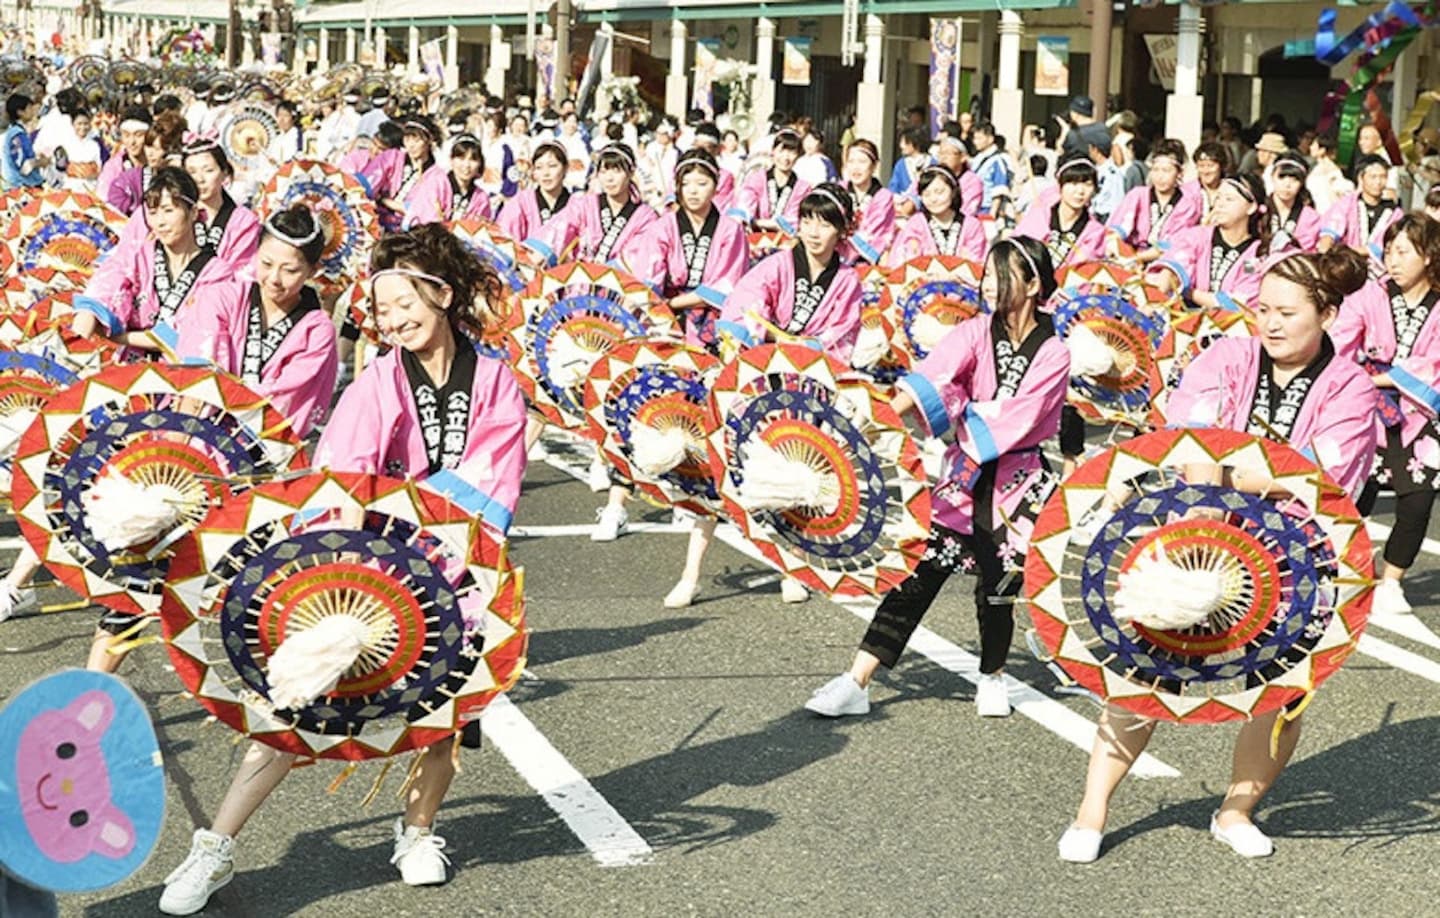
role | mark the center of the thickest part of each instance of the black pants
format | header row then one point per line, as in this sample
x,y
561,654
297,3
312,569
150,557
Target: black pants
x,y
1072,432
902,608
1412,518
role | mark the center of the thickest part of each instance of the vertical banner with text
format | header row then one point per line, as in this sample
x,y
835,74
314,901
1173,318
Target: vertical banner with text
x,y
944,52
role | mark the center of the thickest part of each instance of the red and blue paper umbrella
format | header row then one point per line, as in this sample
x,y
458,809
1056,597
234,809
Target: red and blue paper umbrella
x,y
933,294
434,604
1186,339
1127,390
511,260
61,231
1197,602
82,786
340,201
783,409
880,349
199,434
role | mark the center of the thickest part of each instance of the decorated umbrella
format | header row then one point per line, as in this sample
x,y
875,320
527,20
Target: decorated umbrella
x,y
932,294
820,475
341,201
647,404
82,787
60,231
879,349
1113,372
511,260
123,463
125,75
344,616
1198,602
87,68
1115,277
1188,337
768,242
576,313
246,133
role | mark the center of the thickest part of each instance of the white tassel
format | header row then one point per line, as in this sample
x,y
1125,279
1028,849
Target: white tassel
x,y
1157,593
1089,356
309,664
658,451
929,331
871,346
122,513
570,361
773,481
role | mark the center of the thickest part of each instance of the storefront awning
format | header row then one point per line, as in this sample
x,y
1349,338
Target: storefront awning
x,y
646,10
429,14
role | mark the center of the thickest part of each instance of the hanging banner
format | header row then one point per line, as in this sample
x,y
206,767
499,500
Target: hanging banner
x,y
432,59
545,71
795,65
944,59
707,52
270,45
1052,66
1163,52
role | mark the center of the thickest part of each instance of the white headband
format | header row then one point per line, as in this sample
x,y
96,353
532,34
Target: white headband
x,y
298,242
825,193
953,141
1030,262
134,124
406,272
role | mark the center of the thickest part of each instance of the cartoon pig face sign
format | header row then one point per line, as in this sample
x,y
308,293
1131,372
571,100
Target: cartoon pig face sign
x,y
64,783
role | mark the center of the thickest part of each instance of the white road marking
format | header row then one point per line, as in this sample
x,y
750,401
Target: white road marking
x,y
1399,657
12,543
1030,702
1407,626
611,840
584,529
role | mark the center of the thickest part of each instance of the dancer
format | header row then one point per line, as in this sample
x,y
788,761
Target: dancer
x,y
392,176
874,206
1360,218
447,195
1294,221
1149,216
1218,266
770,199
523,215
939,228
602,226
999,385
1066,227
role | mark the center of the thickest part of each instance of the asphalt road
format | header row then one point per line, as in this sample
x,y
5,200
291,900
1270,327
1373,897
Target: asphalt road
x,y
659,763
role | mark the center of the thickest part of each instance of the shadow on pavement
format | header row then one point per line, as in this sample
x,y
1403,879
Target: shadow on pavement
x,y
554,645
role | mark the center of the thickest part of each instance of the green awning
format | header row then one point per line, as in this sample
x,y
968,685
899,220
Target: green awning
x,y
619,11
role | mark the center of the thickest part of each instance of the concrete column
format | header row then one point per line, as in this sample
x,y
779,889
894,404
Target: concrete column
x,y
870,98
607,67
762,94
1007,109
322,62
498,63
452,58
381,51
1185,109
413,50
349,46
247,50
677,83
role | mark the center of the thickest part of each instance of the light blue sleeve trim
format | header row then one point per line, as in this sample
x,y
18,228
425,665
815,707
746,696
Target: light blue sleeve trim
x,y
785,225
1164,246
812,343
1376,252
166,333
452,486
1332,233
737,212
980,435
930,402
710,295
1180,272
1414,388
541,249
1226,301
1309,453
365,183
737,331
866,248
95,307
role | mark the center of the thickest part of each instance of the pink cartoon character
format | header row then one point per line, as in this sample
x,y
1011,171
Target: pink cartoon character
x,y
64,783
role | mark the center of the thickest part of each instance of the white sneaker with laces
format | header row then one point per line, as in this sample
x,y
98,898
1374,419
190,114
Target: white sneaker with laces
x,y
992,698
598,478
1080,846
682,594
1390,599
420,855
840,697
610,524
209,866
793,591
14,602
1244,839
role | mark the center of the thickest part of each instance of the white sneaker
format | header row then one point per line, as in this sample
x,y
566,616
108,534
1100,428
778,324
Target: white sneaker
x,y
1080,846
14,602
1390,599
209,866
598,478
1245,839
420,855
992,699
840,697
792,590
610,524
682,595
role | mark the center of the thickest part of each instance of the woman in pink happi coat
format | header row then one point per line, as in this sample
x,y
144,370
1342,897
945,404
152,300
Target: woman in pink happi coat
x,y
1220,265
808,291
272,331
130,154
874,206
161,147
393,174
144,291
951,153
1294,221
940,228
522,216
599,227
448,195
770,199
994,388
1255,385
1149,216
1066,227
694,256
1392,326
1360,218
434,409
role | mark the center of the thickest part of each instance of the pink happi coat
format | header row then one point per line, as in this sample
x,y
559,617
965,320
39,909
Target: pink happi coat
x,y
972,192
383,173
752,201
1335,427
1189,259
874,229
915,239
354,162
1365,331
1306,233
767,292
375,428
519,218
576,232
127,191
117,165
237,245
725,191
433,197
1037,224
658,258
299,377
954,390
122,294
1195,189
1131,220
1342,223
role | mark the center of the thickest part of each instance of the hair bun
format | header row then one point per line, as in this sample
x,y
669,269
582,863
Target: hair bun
x,y
1343,269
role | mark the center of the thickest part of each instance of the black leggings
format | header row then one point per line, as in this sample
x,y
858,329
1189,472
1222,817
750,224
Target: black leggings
x,y
1412,518
902,608
1072,432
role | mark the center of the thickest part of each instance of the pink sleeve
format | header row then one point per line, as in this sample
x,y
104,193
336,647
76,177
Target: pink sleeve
x,y
792,206
748,197
1307,229
301,381
1336,221
973,243
941,383
426,203
1126,217
908,243
113,286
555,238
727,262
1349,330
357,435
972,191
757,292
238,246
1188,213
511,218
1345,441
877,227
647,253
1034,224
989,429
207,333
837,321
1182,257
494,458
1203,397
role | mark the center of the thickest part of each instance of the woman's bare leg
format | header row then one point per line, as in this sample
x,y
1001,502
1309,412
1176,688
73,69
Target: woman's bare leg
x,y
1253,770
261,771
1118,743
427,791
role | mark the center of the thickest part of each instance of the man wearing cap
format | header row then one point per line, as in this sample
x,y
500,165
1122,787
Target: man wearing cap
x,y
1094,139
370,121
1270,146
1081,113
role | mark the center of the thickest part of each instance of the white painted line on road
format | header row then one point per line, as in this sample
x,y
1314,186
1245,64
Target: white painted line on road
x,y
11,543
1399,657
1407,626
609,838
1029,701
584,529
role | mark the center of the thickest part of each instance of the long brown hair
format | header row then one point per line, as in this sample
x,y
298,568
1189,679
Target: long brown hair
x,y
432,249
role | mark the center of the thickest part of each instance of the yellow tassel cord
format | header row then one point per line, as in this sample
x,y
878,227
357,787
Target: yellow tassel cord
x,y
341,778
66,606
1287,715
127,637
455,753
124,647
375,787
411,774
